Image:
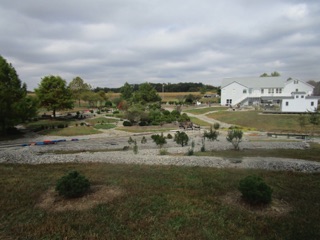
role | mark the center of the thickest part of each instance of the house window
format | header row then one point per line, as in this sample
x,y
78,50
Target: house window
x,y
302,96
296,82
271,90
312,104
297,90
280,90
262,90
250,90
287,103
297,96
244,90
229,101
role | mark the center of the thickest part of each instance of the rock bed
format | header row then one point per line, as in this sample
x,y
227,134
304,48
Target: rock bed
x,y
149,154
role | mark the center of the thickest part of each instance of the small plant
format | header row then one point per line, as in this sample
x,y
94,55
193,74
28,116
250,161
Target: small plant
x,y
212,135
181,138
130,141
143,140
191,150
72,185
235,137
125,148
169,136
203,147
135,147
254,190
163,151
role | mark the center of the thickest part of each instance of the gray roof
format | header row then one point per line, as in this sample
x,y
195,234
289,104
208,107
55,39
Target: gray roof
x,y
257,82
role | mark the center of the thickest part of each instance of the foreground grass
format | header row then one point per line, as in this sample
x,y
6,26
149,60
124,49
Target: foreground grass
x,y
158,203
308,154
263,122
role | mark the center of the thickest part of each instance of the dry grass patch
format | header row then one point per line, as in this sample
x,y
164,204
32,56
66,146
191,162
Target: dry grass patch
x,y
51,201
276,208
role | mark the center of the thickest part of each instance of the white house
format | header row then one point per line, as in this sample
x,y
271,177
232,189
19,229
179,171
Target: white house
x,y
290,95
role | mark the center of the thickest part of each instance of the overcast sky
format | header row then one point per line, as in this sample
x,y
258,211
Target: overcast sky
x,y
110,42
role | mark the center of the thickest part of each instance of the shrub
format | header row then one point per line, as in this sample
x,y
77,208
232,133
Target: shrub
x,y
159,140
169,136
143,123
216,126
127,124
235,137
72,185
254,190
212,135
190,152
130,141
181,138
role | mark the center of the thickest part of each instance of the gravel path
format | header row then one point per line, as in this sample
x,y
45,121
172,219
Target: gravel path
x,y
114,141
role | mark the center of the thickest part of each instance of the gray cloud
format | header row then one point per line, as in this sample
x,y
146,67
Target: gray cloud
x,y
110,42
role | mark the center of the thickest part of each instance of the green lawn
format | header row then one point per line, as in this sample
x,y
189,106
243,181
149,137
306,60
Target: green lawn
x,y
158,202
138,129
262,122
70,131
94,121
199,122
307,154
198,111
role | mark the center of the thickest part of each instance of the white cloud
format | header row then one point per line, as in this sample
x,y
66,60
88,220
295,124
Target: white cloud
x,y
110,42
296,12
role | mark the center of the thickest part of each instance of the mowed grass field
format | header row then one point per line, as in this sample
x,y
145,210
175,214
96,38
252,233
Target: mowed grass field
x,y
157,202
263,122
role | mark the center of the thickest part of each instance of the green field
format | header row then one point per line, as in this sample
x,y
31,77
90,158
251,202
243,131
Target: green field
x,y
263,122
156,202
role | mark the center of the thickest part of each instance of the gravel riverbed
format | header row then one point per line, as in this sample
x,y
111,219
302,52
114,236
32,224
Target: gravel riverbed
x,y
109,147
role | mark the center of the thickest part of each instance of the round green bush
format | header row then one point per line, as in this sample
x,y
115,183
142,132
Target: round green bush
x,y
254,190
72,185
127,124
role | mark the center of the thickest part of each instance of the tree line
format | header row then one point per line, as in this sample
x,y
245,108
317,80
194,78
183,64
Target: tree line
x,y
166,87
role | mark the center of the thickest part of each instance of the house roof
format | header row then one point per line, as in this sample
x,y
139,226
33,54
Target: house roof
x,y
256,82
